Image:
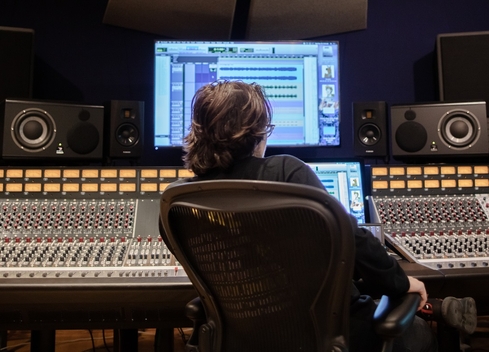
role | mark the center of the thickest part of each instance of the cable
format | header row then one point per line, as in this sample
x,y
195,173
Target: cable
x,y
93,340
105,341
182,335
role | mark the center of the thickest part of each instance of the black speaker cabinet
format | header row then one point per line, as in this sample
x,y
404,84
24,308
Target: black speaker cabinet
x,y
439,129
126,122
46,130
462,66
16,62
370,128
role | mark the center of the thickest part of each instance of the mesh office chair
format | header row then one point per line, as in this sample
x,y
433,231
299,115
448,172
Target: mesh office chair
x,y
272,264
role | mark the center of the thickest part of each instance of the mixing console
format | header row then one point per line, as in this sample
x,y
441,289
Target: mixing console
x,y
63,236
440,227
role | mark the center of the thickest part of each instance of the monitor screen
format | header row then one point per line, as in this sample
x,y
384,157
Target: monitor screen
x,y
344,181
300,79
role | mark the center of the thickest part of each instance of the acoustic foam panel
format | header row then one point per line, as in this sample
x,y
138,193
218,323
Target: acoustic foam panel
x,y
189,19
214,19
302,19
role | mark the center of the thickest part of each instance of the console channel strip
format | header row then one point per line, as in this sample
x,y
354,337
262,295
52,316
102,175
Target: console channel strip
x,y
50,233
430,216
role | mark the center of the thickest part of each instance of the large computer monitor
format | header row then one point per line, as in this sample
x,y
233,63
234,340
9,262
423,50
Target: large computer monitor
x,y
344,181
300,79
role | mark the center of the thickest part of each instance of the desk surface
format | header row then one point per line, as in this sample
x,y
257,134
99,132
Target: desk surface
x,y
140,303
116,306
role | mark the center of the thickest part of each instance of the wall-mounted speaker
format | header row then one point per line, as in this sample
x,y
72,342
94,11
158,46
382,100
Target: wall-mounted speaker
x,y
439,129
126,122
16,62
462,66
46,130
370,128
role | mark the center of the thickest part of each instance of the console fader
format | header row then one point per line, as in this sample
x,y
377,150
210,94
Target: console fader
x,y
435,215
66,223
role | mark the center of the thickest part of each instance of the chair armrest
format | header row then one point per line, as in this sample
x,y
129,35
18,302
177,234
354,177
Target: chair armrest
x,y
194,310
394,315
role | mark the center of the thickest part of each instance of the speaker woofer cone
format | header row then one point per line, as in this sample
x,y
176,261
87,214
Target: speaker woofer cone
x,y
369,134
127,134
33,130
459,129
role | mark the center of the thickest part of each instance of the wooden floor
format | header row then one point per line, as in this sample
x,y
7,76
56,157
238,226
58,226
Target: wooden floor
x,y
101,340
479,341
90,340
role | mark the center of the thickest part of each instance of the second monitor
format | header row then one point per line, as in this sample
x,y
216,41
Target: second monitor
x,y
344,181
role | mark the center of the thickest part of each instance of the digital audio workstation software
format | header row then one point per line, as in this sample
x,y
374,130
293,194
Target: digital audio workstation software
x,y
300,79
343,180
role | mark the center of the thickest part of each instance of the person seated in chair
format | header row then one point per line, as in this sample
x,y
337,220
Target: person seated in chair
x,y
231,121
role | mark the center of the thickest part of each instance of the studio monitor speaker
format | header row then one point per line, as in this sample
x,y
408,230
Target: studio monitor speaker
x,y
370,128
462,66
47,130
16,62
126,122
439,129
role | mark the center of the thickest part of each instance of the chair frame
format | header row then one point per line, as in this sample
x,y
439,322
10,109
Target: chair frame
x,y
285,194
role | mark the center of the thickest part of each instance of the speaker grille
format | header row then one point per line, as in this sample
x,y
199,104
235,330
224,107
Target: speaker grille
x,y
83,138
411,136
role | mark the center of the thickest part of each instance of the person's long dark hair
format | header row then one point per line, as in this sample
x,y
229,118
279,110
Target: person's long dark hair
x,y
229,119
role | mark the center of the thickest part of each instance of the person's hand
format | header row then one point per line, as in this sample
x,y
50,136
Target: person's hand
x,y
417,286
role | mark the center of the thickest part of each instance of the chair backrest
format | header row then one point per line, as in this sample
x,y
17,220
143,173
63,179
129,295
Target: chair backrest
x,y
271,261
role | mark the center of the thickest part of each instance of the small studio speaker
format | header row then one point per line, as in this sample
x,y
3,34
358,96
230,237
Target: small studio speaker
x,y
370,128
126,121
45,130
439,129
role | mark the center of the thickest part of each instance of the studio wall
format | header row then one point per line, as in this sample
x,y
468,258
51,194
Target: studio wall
x,y
80,59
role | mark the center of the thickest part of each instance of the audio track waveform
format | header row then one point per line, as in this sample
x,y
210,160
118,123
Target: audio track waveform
x,y
281,96
258,68
272,78
279,86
